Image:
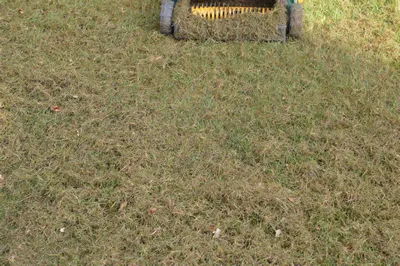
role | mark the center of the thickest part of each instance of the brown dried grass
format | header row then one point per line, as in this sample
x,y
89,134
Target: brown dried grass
x,y
159,142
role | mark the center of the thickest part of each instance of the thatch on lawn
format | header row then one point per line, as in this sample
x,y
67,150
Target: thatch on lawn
x,y
252,26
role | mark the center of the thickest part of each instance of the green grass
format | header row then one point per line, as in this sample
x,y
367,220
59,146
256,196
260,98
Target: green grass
x,y
246,137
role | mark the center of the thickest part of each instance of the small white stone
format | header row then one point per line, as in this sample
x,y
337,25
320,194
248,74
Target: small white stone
x,y
278,233
62,230
217,233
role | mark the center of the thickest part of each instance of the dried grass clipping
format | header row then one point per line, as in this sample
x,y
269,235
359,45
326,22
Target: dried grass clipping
x,y
247,26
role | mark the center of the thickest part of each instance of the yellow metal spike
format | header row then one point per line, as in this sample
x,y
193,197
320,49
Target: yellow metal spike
x,y
221,12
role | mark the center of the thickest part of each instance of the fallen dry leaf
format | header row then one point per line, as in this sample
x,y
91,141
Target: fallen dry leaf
x,y
151,211
278,233
21,11
292,200
212,227
155,58
178,212
1,181
171,204
123,206
55,108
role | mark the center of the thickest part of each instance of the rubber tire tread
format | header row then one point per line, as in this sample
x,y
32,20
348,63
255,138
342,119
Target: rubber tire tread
x,y
167,10
296,21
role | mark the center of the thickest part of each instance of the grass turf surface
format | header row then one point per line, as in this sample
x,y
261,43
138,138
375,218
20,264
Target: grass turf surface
x,y
159,141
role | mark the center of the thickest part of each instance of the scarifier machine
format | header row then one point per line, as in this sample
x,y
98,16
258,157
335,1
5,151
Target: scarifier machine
x,y
212,11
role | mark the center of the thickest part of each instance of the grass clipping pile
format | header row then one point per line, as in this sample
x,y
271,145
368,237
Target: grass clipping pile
x,y
241,27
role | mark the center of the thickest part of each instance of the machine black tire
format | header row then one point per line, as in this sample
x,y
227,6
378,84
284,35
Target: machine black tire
x,y
167,10
296,20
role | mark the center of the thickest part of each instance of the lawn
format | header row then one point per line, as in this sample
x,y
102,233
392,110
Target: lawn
x,y
156,143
